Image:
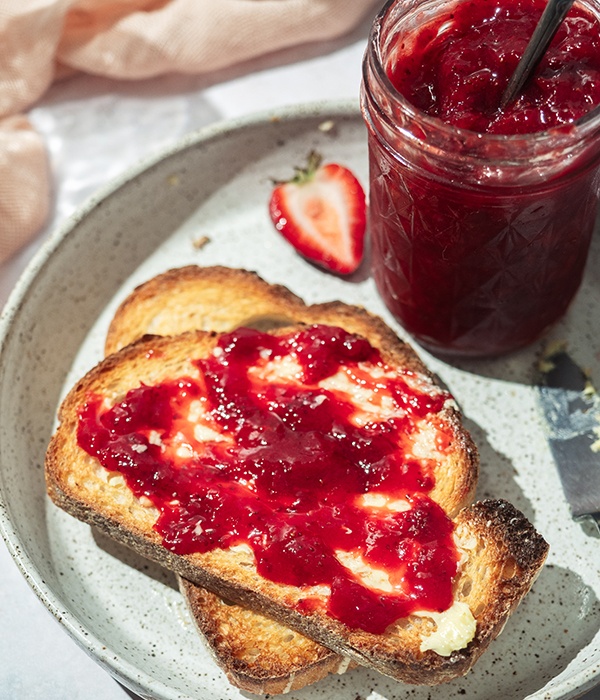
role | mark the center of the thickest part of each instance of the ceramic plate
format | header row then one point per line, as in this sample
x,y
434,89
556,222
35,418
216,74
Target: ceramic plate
x,y
214,187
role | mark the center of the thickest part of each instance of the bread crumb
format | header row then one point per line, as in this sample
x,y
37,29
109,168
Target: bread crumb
x,y
595,446
327,127
554,347
200,242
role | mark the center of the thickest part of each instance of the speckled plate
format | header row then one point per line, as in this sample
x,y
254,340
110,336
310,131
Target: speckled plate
x,y
128,613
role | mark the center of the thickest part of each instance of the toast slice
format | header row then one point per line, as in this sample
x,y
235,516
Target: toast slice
x,y
500,552
257,653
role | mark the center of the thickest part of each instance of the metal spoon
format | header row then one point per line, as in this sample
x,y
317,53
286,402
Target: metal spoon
x,y
545,30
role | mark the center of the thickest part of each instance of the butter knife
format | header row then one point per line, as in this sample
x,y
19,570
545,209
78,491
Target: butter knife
x,y
571,408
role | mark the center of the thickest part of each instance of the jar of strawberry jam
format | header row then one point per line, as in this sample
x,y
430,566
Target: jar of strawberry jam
x,y
480,216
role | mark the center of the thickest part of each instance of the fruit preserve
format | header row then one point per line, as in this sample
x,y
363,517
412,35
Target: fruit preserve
x,y
480,216
305,449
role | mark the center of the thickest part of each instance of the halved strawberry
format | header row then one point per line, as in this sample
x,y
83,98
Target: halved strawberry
x,y
322,213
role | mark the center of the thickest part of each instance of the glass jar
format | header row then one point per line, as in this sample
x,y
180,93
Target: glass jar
x,y
479,241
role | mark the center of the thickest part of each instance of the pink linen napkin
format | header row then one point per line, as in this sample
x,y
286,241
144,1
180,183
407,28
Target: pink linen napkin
x,y
40,40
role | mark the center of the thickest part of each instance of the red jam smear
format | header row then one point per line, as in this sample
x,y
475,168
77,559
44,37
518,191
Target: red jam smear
x,y
458,67
288,478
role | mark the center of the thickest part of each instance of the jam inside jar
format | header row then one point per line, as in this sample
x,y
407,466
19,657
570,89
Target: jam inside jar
x,y
480,222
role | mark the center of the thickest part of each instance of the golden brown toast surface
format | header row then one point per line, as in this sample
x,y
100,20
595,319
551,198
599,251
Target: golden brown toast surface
x,y
257,653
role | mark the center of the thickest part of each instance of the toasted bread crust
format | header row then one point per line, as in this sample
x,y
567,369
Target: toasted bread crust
x,y
221,299
503,553
194,298
258,654
505,556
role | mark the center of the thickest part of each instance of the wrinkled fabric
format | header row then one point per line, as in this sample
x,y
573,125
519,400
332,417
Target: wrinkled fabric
x,y
24,184
43,40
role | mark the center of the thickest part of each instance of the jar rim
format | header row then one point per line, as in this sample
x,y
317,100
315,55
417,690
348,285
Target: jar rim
x,y
588,122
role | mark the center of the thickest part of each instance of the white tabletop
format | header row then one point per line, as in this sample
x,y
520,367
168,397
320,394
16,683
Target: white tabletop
x,y
95,129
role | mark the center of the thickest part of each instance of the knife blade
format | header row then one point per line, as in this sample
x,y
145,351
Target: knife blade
x,y
571,408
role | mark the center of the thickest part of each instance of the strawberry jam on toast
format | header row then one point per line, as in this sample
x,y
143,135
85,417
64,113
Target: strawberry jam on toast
x,y
489,562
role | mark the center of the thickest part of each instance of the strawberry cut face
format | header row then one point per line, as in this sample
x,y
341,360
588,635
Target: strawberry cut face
x,y
322,213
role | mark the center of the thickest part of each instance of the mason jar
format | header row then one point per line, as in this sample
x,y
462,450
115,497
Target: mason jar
x,y
479,241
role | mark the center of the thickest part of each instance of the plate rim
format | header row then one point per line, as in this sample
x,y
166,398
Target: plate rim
x,y
124,671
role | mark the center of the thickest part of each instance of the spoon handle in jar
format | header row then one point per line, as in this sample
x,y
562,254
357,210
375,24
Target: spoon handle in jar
x,y
545,30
